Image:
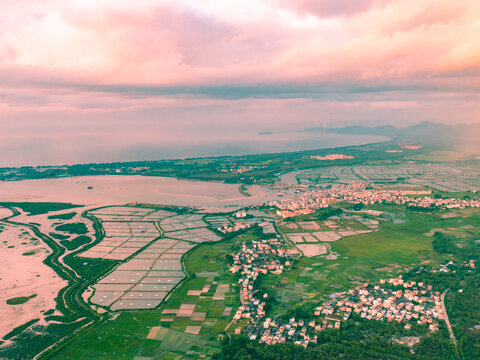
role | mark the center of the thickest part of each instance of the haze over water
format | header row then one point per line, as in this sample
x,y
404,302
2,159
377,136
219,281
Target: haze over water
x,y
74,148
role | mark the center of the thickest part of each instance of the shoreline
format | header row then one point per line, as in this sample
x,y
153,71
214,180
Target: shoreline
x,y
209,157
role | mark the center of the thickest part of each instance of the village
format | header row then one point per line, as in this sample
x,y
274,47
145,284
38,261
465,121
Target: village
x,y
390,300
239,221
255,258
307,200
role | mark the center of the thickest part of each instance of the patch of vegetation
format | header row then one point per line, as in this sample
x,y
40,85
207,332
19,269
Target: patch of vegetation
x,y
29,253
20,300
19,329
464,247
66,216
443,243
356,339
244,190
320,214
36,208
27,344
59,236
76,242
421,208
88,268
73,228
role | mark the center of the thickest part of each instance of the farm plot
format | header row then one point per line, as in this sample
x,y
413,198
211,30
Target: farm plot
x,y
118,248
333,229
371,224
198,235
182,222
158,215
128,214
174,340
301,237
309,225
310,250
331,224
208,318
312,242
153,267
290,225
220,292
123,239
218,221
437,176
145,280
327,236
121,213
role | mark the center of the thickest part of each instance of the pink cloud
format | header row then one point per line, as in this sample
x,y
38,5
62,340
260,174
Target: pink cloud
x,y
327,8
102,56
168,45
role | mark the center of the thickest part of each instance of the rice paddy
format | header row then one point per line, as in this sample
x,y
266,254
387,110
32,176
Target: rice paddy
x,y
151,244
443,177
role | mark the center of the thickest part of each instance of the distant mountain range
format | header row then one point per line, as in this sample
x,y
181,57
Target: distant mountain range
x,y
424,132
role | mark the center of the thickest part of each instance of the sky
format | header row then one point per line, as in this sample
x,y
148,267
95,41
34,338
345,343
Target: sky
x,y
90,73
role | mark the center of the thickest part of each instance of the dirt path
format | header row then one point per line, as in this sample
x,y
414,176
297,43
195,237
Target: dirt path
x,y
452,335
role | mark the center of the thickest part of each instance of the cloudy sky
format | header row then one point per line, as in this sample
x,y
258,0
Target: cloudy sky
x,y
86,72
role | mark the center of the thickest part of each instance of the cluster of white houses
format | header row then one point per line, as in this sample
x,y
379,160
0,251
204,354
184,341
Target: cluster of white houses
x,y
254,258
391,300
357,193
262,257
238,226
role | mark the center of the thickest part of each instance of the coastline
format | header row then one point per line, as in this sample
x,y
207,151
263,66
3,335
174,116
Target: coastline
x,y
300,146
